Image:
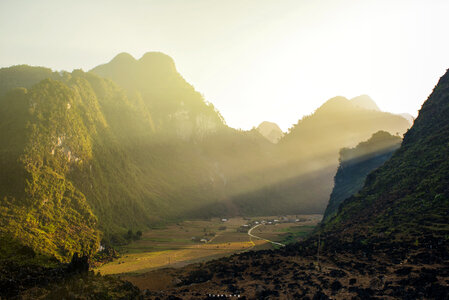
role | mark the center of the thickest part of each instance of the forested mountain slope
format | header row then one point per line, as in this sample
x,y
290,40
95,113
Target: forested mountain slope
x,y
408,197
84,157
81,159
23,76
356,163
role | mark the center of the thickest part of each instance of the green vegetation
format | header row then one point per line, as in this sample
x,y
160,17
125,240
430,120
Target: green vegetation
x,y
295,233
24,76
47,209
86,158
407,198
356,163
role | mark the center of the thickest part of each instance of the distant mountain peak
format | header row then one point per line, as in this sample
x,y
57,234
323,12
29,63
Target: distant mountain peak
x,y
155,61
158,60
365,101
150,72
123,57
337,103
336,99
155,55
270,131
340,103
267,123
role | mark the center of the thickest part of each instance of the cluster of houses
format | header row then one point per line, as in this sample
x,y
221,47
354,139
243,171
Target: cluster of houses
x,y
204,239
249,224
283,219
276,221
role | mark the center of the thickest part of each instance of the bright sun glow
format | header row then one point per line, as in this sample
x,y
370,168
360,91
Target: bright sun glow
x,y
256,60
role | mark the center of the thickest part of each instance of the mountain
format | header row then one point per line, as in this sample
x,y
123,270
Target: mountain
x,y
389,240
270,131
253,176
84,160
365,101
340,123
23,76
88,156
356,163
407,198
299,175
45,138
227,162
171,104
309,151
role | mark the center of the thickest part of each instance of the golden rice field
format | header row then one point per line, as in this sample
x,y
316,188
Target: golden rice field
x,y
178,245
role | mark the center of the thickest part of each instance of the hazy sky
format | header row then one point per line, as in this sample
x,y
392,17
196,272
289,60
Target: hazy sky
x,y
255,60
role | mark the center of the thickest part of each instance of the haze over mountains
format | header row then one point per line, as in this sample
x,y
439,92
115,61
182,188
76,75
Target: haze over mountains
x,y
87,156
365,101
131,144
270,131
409,193
388,240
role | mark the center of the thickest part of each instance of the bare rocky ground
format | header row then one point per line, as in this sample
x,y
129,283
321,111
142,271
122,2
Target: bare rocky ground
x,y
354,269
345,271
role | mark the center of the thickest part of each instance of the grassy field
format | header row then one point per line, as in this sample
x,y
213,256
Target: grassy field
x,y
179,244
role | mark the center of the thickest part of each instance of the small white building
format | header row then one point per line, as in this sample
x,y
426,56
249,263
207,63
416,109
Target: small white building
x,y
224,220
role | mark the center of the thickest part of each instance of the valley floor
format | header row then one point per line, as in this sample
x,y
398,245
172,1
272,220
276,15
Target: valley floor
x,y
195,241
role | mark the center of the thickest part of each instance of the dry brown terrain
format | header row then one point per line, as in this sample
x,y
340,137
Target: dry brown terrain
x,y
296,272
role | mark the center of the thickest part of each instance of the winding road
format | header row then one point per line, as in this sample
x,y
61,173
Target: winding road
x,y
252,235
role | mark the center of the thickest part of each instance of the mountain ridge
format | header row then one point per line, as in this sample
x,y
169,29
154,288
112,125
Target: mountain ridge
x,y
147,149
356,163
366,102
